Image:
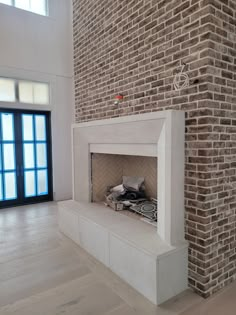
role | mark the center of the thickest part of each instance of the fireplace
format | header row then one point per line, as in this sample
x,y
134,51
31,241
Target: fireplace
x,y
151,259
109,169
108,172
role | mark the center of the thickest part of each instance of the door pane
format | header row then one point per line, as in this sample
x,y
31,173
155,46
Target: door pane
x,y
28,133
30,189
10,186
9,157
42,183
40,127
7,90
7,127
29,156
41,155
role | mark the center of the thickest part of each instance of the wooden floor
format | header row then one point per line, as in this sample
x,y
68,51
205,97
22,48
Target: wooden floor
x,y
44,273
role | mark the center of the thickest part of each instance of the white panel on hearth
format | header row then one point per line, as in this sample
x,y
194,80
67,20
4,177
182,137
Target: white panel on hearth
x,y
94,238
69,223
134,266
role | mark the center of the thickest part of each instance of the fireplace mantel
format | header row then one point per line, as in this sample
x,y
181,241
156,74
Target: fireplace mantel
x,y
153,261
158,134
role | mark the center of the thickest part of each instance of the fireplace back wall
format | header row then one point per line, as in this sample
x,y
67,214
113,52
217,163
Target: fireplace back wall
x,y
108,170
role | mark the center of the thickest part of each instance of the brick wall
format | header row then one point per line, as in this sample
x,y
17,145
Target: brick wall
x,y
135,47
217,172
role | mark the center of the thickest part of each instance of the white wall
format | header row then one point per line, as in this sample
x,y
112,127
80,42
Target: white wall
x,y
39,48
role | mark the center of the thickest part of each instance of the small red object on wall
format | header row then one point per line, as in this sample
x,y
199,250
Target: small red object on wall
x,y
118,98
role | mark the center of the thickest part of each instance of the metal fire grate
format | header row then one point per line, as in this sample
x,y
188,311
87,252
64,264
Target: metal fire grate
x,y
148,209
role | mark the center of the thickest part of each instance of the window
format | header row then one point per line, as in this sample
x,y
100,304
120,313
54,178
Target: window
x,y
7,90
24,91
34,93
9,2
35,6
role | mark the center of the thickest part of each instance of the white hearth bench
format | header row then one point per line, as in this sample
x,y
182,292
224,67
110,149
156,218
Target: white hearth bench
x,y
130,248
153,261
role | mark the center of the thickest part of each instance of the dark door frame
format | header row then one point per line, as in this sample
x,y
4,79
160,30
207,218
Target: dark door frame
x,y
21,200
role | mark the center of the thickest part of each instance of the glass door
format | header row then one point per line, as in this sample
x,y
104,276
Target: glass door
x,y
35,156
8,167
26,168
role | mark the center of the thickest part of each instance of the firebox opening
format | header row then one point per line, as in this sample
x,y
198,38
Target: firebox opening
x,y
126,183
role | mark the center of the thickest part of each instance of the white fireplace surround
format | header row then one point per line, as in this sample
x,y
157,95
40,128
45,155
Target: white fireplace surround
x,y
158,134
159,258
